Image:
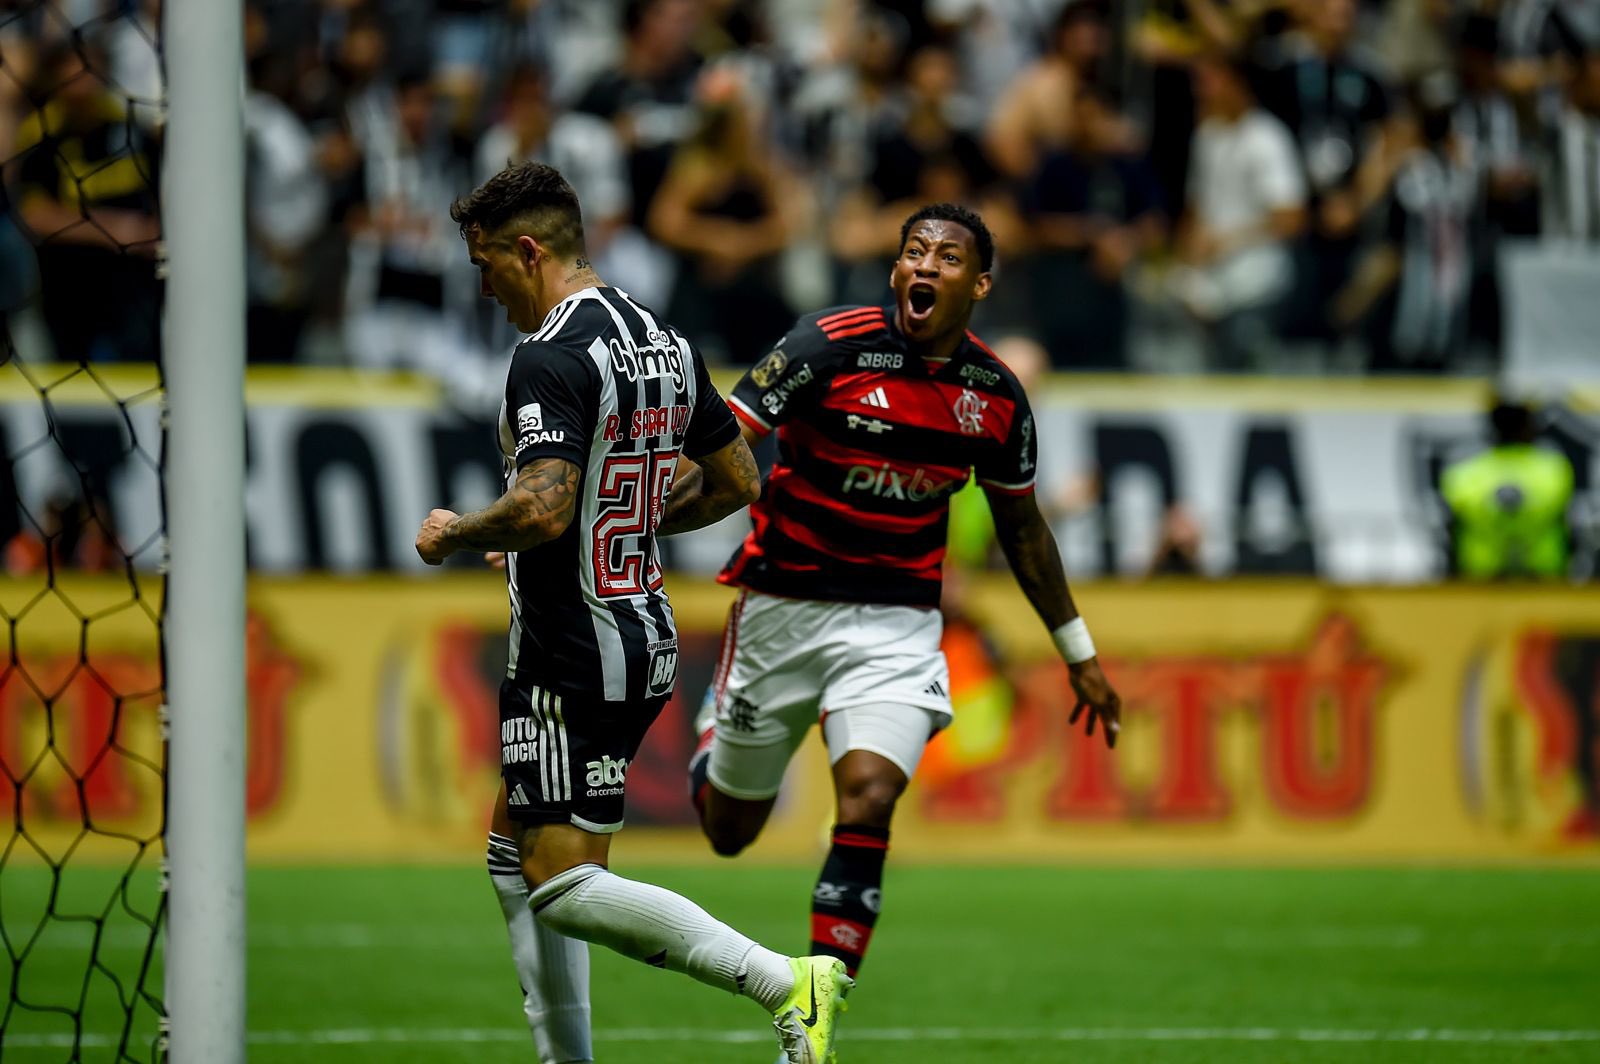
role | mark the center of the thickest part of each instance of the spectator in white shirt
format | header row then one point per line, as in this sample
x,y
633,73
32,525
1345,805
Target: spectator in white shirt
x,y
1246,202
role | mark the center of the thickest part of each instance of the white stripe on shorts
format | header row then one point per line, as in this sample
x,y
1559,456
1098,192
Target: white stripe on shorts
x,y
563,765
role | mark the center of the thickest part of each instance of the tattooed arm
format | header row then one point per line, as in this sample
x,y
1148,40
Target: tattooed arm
x,y
536,509
706,491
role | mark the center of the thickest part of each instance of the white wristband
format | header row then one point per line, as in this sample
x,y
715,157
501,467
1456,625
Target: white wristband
x,y
1073,642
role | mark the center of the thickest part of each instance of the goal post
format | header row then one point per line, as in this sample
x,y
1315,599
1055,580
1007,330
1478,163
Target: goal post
x,y
204,370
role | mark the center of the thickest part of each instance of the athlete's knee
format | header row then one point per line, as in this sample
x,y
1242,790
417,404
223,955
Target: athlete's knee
x,y
548,850
869,797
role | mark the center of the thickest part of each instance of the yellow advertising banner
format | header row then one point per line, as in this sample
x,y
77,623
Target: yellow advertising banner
x,y
1264,721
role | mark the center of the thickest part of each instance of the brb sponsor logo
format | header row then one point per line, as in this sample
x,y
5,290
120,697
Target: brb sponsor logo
x,y
886,483
880,360
980,375
607,776
774,399
519,741
530,427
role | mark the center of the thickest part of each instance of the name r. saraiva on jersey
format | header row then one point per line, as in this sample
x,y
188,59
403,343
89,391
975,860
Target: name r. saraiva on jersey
x,y
649,421
659,358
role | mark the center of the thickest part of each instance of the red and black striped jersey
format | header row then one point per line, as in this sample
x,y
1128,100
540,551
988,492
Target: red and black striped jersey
x,y
872,441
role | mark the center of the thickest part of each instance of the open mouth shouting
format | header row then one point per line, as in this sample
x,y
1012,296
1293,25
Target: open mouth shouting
x,y
921,298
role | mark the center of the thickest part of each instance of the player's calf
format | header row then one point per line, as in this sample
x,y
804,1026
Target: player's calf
x,y
731,824
849,891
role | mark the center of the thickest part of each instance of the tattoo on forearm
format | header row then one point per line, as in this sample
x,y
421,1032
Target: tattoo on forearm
x,y
690,505
1030,548
536,509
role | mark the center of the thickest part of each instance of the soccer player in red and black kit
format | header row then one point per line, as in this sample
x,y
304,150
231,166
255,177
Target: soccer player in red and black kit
x,y
604,403
881,413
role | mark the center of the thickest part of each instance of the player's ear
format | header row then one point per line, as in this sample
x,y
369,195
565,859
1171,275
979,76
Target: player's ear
x,y
980,287
528,250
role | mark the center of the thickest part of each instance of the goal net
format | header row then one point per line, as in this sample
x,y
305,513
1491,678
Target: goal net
x,y
82,746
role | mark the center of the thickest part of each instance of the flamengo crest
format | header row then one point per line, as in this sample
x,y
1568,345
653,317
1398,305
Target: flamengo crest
x,y
969,412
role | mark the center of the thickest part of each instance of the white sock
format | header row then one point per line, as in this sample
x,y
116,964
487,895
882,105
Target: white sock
x,y
654,925
552,968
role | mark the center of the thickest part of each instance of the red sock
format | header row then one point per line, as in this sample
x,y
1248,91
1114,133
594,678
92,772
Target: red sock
x,y
844,907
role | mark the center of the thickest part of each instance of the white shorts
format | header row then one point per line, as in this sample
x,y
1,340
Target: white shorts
x,y
873,675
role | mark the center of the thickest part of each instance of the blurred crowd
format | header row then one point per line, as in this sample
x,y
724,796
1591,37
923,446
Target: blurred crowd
x,y
1255,178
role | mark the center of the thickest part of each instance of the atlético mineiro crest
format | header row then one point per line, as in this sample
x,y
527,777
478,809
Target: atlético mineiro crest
x,y
969,412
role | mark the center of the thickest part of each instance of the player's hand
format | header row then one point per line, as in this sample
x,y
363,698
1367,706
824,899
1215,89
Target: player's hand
x,y
430,537
496,559
1095,694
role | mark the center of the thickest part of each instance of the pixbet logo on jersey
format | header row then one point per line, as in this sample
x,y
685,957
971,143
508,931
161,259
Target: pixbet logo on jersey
x,y
886,483
609,775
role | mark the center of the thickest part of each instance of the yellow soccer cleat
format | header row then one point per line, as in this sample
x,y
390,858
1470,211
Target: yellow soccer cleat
x,y
805,1020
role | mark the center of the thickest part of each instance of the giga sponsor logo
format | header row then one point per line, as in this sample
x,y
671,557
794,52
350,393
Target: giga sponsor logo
x,y
886,483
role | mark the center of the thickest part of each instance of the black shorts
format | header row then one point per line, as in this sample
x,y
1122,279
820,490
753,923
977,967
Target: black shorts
x,y
566,762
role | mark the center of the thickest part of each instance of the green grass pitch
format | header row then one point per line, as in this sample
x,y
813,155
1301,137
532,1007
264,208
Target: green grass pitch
x,y
1021,965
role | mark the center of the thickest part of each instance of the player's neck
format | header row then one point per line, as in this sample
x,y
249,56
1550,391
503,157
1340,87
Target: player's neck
x,y
564,279
939,349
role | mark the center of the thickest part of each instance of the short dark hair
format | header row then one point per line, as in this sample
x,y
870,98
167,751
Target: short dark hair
x,y
952,212
1513,422
534,196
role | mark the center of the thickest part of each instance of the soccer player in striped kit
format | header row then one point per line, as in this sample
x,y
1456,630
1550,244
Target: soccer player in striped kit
x,y
881,413
601,402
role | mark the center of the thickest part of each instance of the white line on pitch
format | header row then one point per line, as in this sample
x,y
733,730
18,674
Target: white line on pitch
x,y
63,936
445,1036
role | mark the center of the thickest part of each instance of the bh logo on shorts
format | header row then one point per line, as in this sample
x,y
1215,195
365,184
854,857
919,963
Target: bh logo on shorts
x,y
609,775
663,667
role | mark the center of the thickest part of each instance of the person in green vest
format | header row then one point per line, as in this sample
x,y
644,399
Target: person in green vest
x,y
1508,505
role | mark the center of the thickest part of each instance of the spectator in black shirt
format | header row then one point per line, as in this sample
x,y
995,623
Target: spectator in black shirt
x,y
1330,97
649,98
86,186
1094,209
728,212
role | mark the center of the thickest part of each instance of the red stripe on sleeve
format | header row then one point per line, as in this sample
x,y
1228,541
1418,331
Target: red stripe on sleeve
x,y
848,315
859,330
748,418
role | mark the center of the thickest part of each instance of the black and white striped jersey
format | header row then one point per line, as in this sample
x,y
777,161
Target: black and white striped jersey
x,y
610,387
